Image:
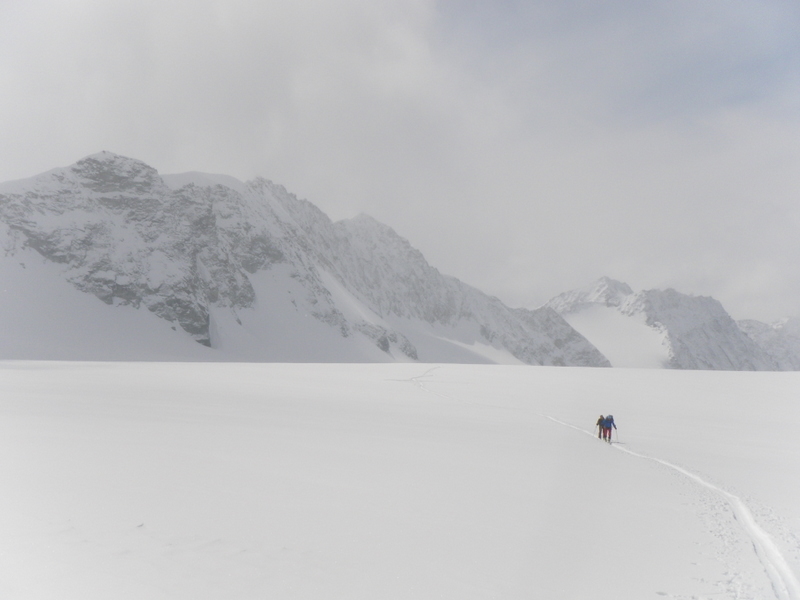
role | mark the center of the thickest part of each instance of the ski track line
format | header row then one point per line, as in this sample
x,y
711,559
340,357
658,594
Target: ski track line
x,y
417,381
784,582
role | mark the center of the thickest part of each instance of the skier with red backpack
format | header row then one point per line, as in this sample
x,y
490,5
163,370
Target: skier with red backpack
x,y
606,426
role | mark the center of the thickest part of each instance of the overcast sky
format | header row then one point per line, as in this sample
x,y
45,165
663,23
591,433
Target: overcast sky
x,y
524,147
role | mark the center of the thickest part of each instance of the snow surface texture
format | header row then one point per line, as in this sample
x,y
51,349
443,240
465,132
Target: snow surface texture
x,y
245,269
664,328
133,480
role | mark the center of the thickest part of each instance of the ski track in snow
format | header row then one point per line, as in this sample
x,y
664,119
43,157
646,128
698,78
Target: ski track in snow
x,y
784,582
418,382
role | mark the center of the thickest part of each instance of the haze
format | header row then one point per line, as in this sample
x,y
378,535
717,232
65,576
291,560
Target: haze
x,y
524,147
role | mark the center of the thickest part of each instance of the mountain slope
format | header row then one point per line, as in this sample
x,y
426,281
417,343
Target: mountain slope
x,y
699,332
780,340
252,273
660,328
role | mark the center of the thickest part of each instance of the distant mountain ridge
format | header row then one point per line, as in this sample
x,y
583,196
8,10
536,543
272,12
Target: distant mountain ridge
x,y
197,266
605,291
246,270
780,340
694,332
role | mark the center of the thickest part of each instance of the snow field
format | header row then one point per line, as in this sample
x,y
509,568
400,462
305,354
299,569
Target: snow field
x,y
170,480
44,316
625,340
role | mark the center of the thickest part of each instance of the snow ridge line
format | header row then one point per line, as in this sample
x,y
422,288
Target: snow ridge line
x,y
784,582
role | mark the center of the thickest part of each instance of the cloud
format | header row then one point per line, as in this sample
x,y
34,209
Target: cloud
x,y
525,147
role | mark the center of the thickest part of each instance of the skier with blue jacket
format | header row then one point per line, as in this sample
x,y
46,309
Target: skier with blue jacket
x,y
607,424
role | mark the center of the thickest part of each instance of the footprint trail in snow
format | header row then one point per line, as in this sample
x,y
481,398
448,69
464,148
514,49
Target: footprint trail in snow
x,y
784,582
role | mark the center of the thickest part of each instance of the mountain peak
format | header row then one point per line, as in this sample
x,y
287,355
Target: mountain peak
x,y
257,275
109,160
610,291
605,291
108,172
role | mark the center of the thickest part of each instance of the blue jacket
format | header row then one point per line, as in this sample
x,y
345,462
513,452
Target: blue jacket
x,y
609,423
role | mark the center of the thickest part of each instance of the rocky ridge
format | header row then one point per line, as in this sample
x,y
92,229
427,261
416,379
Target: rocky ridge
x,y
184,247
780,340
697,331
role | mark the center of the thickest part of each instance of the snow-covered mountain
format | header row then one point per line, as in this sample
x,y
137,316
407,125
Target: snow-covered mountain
x,y
604,292
662,328
781,340
106,259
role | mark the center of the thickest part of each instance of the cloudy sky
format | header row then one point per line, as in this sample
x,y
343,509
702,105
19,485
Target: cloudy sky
x,y
526,147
